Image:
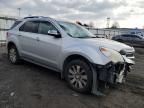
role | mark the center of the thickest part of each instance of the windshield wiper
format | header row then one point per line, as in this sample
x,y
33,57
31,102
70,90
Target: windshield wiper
x,y
83,37
94,37
86,37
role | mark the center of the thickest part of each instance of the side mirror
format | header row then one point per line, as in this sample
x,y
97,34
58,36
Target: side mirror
x,y
54,33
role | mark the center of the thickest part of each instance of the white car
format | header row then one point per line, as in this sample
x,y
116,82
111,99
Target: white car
x,y
86,62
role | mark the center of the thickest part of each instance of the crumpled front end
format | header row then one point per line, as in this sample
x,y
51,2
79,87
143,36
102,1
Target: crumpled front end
x,y
113,73
116,72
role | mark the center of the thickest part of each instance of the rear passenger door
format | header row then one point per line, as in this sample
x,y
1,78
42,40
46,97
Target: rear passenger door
x,y
49,46
28,39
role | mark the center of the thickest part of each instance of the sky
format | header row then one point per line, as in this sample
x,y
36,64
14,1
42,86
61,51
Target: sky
x,y
128,13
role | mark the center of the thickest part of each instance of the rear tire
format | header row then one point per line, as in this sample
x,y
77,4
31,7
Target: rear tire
x,y
13,55
79,76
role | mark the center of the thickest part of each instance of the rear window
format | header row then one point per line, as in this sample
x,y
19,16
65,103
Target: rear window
x,y
30,26
15,24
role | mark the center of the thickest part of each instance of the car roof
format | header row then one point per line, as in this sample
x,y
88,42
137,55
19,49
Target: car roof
x,y
41,18
35,18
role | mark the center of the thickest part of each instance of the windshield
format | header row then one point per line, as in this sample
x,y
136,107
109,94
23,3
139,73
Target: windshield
x,y
75,30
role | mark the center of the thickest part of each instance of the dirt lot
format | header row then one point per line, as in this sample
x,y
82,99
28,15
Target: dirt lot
x,y
30,86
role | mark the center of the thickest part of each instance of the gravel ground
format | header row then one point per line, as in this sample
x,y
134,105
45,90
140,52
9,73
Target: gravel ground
x,y
30,86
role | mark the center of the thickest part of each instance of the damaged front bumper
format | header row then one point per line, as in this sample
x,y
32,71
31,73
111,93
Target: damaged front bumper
x,y
111,73
115,72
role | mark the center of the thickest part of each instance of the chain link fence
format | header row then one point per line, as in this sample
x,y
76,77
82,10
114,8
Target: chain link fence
x,y
104,33
5,24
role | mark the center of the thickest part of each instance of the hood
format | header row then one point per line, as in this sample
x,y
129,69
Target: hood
x,y
101,42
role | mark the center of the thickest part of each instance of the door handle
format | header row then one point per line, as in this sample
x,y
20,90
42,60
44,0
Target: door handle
x,y
37,38
19,35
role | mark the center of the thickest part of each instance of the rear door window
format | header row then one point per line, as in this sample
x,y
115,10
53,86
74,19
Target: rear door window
x,y
30,26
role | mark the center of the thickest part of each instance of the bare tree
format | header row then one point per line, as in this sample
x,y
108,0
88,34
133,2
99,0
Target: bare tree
x,y
115,25
86,25
91,24
78,22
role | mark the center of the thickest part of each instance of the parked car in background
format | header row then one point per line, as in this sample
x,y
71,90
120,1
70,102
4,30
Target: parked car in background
x,y
86,62
130,39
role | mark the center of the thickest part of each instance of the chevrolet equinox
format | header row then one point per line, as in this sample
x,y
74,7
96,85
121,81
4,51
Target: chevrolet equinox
x,y
87,63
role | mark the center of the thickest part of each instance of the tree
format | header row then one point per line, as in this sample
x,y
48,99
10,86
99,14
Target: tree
x,y
86,25
115,25
78,22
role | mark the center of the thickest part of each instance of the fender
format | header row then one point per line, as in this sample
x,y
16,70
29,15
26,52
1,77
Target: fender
x,y
92,54
14,39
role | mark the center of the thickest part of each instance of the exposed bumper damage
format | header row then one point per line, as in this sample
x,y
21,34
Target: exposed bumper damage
x,y
111,73
114,72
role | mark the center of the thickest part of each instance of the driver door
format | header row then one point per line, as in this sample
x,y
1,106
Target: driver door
x,y
48,45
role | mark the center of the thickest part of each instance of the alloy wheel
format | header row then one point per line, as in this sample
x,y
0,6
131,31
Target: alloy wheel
x,y
12,55
77,76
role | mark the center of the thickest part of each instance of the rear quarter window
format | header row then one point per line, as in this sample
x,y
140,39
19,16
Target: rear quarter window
x,y
15,24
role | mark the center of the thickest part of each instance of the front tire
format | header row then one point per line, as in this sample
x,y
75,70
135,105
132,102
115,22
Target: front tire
x,y
79,75
13,55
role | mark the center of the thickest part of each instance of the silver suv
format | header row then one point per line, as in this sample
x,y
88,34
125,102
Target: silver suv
x,y
87,63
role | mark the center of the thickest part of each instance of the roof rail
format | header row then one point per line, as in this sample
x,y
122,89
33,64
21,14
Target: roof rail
x,y
37,17
33,17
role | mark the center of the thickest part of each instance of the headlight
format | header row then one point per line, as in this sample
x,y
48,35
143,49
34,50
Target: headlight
x,y
113,55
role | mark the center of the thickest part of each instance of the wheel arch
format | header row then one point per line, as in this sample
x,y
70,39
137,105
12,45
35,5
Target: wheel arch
x,y
10,44
73,57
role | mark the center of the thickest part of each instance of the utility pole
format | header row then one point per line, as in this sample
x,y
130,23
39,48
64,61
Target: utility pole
x,y
19,10
108,22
